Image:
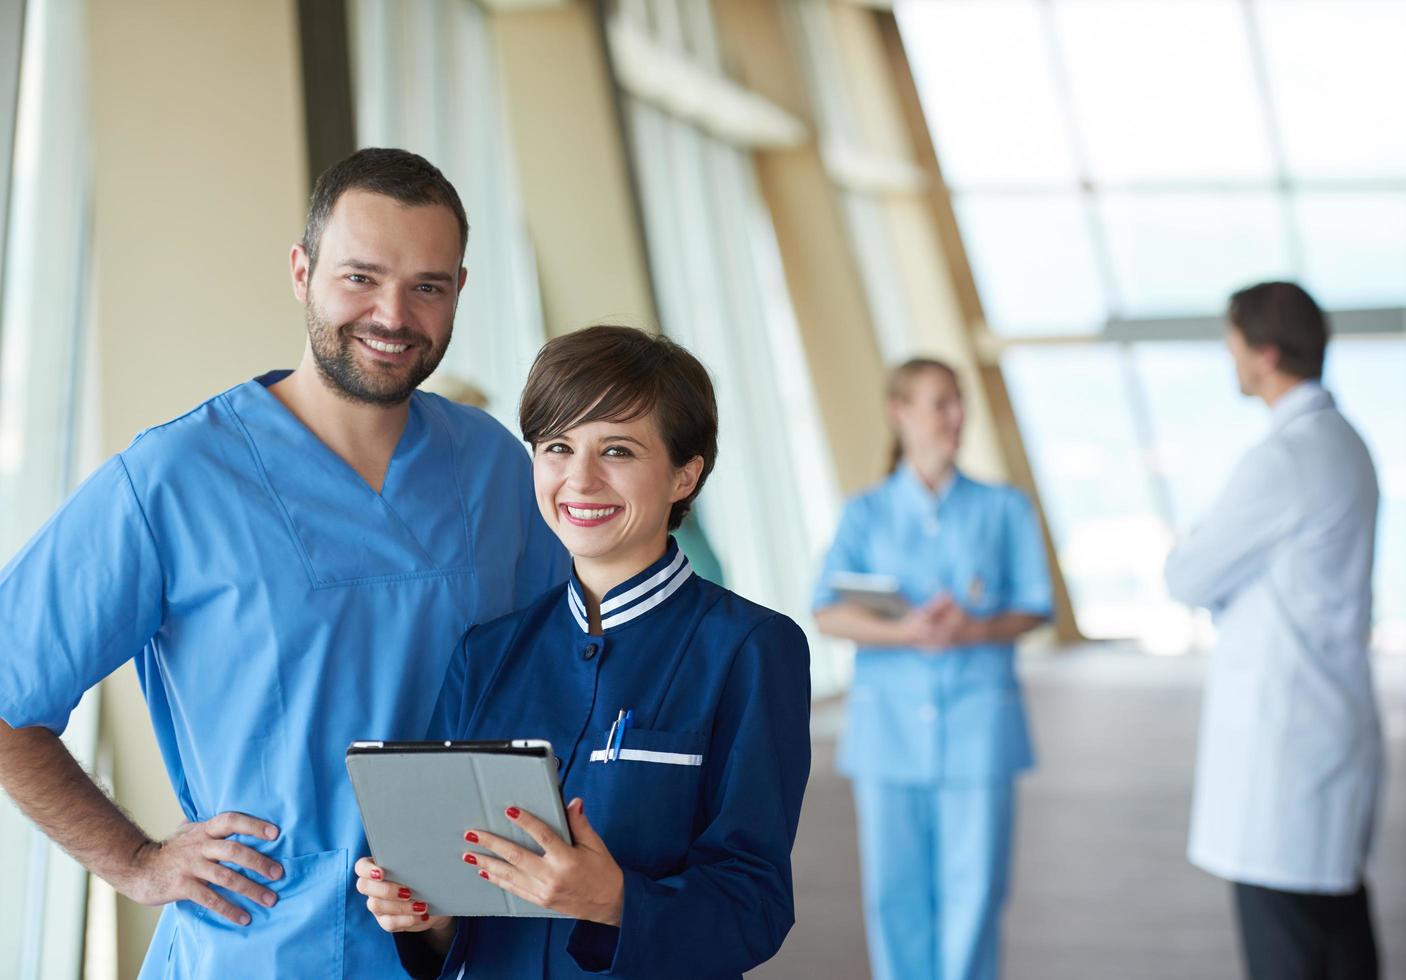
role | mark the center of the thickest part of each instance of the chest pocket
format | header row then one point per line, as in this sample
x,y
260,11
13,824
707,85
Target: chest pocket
x,y
981,584
980,578
645,802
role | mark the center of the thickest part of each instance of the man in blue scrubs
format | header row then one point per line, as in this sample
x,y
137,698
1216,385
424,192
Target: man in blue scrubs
x,y
291,564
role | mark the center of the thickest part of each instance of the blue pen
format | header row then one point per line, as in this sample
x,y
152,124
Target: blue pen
x,y
622,724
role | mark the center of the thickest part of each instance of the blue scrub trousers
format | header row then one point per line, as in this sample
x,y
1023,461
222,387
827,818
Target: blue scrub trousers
x,y
934,863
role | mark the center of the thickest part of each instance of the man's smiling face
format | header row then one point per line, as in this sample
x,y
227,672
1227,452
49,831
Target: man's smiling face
x,y
380,301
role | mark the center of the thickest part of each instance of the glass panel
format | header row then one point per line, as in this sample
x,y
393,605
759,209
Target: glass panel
x,y
1337,75
1072,407
882,276
1176,254
984,76
722,293
1034,262
43,313
1354,247
1164,89
1366,378
1200,423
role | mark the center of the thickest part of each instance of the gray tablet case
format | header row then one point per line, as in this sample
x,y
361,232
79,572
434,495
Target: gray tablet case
x,y
877,593
418,798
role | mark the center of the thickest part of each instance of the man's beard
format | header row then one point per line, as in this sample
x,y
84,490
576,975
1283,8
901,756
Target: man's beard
x,y
333,350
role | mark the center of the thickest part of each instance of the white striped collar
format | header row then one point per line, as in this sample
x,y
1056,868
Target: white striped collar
x,y
637,595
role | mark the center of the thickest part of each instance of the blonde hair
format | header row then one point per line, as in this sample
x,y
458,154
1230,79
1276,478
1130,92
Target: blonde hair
x,y
900,384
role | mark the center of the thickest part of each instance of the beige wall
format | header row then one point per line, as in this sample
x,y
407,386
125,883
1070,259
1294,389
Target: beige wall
x,y
199,192
572,168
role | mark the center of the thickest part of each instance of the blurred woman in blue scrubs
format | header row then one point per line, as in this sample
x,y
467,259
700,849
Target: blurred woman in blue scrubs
x,y
684,867
936,731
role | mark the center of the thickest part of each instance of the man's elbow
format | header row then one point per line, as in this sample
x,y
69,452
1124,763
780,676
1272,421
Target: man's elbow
x,y
1184,584
21,749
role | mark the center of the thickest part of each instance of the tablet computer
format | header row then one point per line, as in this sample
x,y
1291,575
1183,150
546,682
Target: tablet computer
x,y
877,593
418,798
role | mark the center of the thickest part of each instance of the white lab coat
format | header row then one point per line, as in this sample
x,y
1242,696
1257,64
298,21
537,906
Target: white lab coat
x,y
1289,762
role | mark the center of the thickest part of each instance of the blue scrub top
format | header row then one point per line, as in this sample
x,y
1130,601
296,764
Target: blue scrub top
x,y
954,717
720,688
278,608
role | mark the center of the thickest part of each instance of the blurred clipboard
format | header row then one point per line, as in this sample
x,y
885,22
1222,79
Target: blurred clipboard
x,y
878,594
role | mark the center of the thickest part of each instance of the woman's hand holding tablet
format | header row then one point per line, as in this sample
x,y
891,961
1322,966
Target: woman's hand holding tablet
x,y
581,881
451,786
395,907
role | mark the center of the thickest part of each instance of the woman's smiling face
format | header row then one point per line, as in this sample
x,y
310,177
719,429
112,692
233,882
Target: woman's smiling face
x,y
606,488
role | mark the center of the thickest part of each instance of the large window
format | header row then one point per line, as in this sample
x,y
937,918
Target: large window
x,y
1117,170
42,453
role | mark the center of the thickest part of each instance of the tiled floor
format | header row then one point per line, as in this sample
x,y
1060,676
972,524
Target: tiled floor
x,y
1102,890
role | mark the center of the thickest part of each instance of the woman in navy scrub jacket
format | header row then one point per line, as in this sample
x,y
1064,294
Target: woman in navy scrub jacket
x,y
684,867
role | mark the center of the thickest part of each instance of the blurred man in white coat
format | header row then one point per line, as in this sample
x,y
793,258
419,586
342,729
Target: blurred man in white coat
x,y
1290,755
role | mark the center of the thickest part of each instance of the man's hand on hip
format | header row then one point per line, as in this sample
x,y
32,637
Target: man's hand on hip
x,y
187,863
51,788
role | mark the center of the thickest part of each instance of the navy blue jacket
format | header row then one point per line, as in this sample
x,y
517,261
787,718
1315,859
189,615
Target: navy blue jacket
x,y
700,811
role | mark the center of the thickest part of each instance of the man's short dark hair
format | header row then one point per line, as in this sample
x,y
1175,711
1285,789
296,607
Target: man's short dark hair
x,y
398,174
1282,315
619,374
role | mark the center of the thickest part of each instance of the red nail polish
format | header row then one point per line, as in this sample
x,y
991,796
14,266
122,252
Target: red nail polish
x,y
470,859
375,874
471,837
513,812
483,874
419,907
403,893
425,917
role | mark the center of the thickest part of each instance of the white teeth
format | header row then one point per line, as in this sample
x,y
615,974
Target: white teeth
x,y
384,348
590,514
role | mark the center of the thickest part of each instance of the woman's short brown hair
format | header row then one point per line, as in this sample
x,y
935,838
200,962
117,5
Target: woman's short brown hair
x,y
620,374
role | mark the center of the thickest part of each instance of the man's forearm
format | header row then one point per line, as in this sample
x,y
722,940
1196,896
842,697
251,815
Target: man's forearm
x,y
53,790
63,801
